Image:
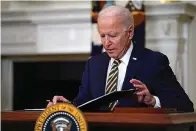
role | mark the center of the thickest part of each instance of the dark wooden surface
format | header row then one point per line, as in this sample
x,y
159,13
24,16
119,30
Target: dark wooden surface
x,y
141,116
136,119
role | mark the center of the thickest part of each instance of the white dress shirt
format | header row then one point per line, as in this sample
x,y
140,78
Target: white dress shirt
x,y
122,71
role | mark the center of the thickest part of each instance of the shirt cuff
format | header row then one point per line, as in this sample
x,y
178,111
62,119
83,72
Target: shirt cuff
x,y
157,104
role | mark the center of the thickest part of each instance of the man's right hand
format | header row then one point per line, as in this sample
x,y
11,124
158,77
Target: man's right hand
x,y
56,99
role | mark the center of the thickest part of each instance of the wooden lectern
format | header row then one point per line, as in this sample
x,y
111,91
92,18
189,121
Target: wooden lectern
x,y
123,119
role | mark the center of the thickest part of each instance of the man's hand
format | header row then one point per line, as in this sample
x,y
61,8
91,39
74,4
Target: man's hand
x,y
56,99
143,93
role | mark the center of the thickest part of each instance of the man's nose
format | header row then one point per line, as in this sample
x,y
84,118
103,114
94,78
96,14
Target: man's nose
x,y
107,40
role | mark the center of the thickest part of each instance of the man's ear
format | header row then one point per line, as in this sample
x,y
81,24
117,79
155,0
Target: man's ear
x,y
131,32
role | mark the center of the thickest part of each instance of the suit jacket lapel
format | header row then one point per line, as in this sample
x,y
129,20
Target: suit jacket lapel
x,y
103,73
132,67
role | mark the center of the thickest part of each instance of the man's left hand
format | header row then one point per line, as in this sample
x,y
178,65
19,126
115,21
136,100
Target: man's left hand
x,y
143,93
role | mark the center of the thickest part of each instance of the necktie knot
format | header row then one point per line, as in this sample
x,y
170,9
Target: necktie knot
x,y
117,62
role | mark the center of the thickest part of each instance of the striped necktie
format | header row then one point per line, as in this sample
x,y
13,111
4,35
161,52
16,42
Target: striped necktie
x,y
112,81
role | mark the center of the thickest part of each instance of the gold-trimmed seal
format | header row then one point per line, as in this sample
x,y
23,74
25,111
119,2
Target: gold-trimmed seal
x,y
63,116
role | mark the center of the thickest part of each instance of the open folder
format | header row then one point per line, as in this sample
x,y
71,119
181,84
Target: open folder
x,y
95,105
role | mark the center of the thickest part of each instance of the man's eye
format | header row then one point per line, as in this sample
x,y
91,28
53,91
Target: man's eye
x,y
102,36
112,35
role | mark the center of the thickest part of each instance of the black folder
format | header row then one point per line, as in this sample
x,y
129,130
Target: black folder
x,y
95,105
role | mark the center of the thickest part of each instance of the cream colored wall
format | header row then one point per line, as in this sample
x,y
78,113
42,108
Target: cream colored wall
x,y
192,61
6,85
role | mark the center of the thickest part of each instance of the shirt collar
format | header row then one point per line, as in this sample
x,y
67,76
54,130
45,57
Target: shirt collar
x,y
126,57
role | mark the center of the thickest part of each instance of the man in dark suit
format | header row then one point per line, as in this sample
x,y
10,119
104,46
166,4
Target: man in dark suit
x,y
124,66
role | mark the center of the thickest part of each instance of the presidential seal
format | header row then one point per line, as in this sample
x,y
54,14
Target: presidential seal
x,y
61,117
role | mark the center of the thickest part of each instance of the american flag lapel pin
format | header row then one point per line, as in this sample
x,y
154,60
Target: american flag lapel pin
x,y
134,58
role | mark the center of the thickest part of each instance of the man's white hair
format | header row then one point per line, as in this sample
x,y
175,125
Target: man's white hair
x,y
124,13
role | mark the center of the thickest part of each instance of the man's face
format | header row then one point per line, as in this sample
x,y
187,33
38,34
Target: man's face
x,y
114,36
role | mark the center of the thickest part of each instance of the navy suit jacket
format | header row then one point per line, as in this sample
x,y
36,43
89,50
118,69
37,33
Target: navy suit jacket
x,y
150,67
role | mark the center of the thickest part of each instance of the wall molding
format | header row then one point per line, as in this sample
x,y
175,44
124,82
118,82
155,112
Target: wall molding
x,y
46,27
47,16
170,9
